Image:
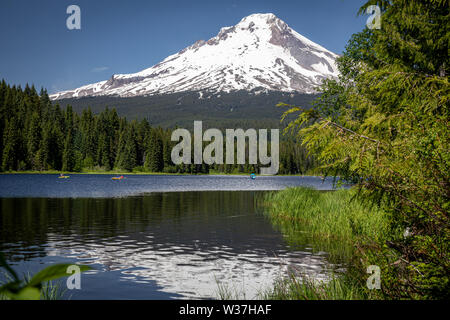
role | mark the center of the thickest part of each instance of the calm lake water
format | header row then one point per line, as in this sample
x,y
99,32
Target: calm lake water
x,y
152,237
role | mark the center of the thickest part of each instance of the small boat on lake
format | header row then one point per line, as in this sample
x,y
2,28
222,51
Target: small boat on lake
x,y
61,176
118,178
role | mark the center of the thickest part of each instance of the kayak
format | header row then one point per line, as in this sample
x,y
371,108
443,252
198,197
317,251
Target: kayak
x,y
63,177
117,178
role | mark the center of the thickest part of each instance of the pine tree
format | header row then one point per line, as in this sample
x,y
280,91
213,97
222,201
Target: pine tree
x,y
10,142
68,156
127,150
154,158
103,152
45,148
33,141
87,128
384,126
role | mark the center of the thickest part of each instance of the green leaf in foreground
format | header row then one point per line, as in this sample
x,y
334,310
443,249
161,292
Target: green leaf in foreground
x,y
26,293
54,272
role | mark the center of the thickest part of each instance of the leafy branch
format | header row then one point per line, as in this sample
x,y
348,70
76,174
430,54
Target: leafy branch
x,y
32,290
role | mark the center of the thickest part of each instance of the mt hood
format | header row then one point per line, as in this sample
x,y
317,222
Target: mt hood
x,y
261,52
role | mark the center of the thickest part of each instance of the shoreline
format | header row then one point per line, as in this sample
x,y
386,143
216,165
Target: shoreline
x,y
152,174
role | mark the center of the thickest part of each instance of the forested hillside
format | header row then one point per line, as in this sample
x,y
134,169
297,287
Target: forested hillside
x,y
40,135
224,110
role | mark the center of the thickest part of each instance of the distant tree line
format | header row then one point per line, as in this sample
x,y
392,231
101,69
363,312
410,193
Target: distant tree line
x,y
39,135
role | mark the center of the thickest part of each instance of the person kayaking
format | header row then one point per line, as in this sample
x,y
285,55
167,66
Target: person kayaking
x,y
118,178
62,176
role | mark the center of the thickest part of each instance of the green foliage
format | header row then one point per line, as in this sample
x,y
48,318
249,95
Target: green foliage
x,y
37,135
88,162
34,288
68,157
330,221
11,145
33,141
333,222
384,126
127,150
154,157
302,287
53,272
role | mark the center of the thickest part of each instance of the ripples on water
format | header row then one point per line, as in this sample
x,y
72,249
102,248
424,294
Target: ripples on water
x,y
101,186
157,245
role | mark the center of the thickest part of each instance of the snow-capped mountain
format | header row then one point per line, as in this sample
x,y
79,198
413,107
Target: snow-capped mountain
x,y
261,52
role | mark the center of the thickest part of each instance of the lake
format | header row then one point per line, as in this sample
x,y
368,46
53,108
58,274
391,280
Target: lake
x,y
152,236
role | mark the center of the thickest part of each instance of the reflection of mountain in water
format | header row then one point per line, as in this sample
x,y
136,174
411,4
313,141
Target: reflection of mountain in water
x,y
184,241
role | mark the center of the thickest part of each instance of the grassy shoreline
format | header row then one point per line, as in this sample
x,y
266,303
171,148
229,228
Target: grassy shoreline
x,y
334,222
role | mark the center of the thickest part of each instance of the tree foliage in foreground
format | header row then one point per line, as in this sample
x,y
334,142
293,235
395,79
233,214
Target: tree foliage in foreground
x,y
33,288
384,125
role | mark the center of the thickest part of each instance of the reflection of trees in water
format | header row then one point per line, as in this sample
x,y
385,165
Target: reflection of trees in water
x,y
178,217
185,240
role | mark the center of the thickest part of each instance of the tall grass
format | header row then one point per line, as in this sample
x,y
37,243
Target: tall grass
x,y
51,290
306,288
227,292
334,222
328,221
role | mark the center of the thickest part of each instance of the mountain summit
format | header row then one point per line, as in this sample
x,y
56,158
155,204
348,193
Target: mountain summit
x,y
261,52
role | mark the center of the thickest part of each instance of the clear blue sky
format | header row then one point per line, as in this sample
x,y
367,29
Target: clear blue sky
x,y
127,36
